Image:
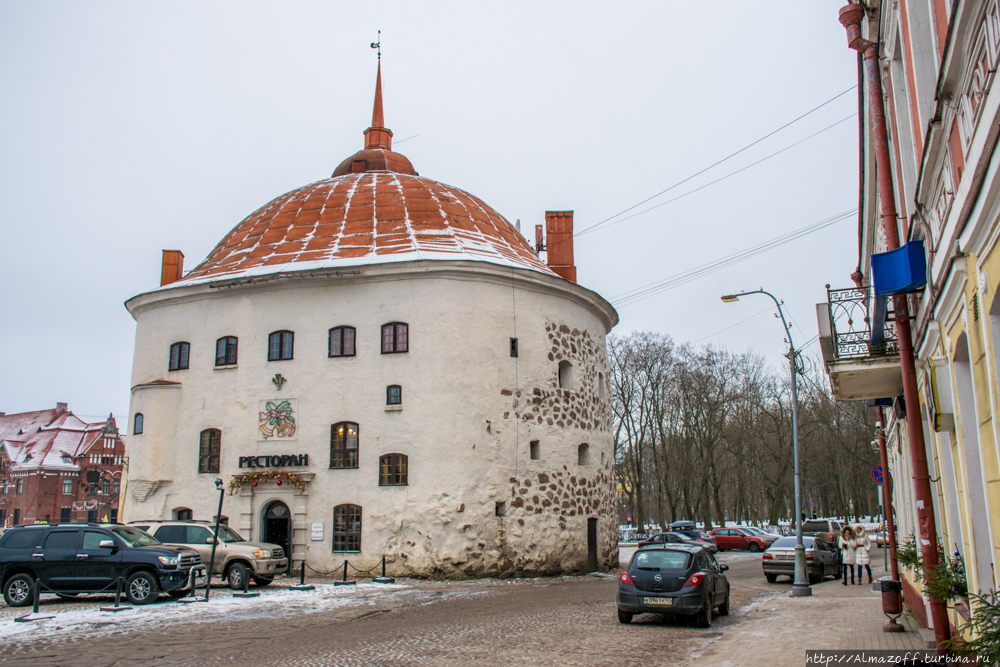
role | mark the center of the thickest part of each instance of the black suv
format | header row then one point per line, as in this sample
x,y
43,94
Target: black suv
x,y
72,559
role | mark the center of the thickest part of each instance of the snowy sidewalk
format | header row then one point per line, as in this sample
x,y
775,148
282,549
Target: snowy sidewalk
x,y
779,631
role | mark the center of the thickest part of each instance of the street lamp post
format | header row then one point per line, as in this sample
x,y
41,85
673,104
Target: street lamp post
x,y
800,587
218,517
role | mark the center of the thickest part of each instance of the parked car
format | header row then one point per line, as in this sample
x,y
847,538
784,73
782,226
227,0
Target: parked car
x,y
822,560
673,579
235,558
827,530
688,529
740,538
73,559
669,538
759,531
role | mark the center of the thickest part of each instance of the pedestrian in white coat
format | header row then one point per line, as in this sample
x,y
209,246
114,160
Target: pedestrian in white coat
x,y
864,543
848,549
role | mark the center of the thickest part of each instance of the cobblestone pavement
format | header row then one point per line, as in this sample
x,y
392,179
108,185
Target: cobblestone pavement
x,y
548,621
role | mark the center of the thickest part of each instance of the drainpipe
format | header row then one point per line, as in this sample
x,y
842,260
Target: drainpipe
x,y
851,17
890,523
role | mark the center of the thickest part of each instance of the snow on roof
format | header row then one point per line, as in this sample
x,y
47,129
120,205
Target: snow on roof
x,y
365,218
47,444
25,422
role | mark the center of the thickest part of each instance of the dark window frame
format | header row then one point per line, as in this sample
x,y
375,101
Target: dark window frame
x,y
347,527
137,423
344,457
337,333
285,349
227,355
396,399
208,460
393,469
393,344
181,360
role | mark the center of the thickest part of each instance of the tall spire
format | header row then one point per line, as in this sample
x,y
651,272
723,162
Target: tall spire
x,y
377,136
378,120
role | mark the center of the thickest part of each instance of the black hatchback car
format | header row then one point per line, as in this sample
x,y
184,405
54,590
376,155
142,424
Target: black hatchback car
x,y
673,579
74,559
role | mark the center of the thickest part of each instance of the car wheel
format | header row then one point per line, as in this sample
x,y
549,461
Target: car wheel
x,y
816,578
263,581
704,618
624,617
142,588
19,590
724,607
753,548
236,576
771,578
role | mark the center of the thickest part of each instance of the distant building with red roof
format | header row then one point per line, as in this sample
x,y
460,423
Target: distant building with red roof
x,y
56,467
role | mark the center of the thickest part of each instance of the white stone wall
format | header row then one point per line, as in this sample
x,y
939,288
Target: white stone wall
x,y
469,412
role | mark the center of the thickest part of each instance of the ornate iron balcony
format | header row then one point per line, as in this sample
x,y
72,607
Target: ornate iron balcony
x,y
851,313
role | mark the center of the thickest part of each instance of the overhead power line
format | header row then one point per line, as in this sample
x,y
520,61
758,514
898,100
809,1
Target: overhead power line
x,y
676,280
716,164
702,187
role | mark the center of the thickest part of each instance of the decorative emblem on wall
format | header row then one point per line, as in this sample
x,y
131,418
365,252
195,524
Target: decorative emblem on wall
x,y
279,380
276,419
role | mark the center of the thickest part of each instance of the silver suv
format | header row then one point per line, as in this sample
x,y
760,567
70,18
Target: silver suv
x,y
235,558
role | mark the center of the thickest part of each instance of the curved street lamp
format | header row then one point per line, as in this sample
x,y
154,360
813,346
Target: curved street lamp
x,y
800,586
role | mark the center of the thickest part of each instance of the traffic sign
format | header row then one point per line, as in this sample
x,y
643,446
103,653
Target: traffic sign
x,y
877,474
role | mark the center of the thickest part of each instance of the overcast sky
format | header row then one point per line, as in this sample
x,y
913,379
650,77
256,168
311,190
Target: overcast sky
x,y
127,128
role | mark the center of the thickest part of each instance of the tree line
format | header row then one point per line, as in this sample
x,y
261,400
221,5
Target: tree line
x,y
705,434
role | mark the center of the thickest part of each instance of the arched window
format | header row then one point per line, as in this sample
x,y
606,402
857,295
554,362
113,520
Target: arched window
x,y
395,337
179,354
341,342
347,528
344,445
280,345
209,451
392,470
565,375
225,351
583,454
183,514
393,395
137,424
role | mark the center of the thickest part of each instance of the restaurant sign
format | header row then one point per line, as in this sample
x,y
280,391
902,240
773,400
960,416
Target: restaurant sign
x,y
274,461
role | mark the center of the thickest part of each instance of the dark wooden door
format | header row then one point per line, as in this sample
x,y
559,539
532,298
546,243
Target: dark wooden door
x,y
592,544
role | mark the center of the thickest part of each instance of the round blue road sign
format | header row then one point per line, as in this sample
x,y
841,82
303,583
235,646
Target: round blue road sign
x,y
877,474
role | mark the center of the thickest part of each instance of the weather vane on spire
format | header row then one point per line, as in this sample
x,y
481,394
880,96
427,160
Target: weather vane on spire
x,y
378,45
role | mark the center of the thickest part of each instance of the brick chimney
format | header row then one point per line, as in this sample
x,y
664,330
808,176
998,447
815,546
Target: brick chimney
x,y
61,408
173,267
559,243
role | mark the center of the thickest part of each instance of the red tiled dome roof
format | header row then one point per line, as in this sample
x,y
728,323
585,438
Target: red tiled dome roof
x,y
374,209
366,218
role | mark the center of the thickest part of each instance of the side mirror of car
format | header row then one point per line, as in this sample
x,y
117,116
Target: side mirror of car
x,y
209,540
723,567
108,544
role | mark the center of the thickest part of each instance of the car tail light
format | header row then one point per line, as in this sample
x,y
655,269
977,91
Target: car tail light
x,y
809,556
831,537
768,557
625,579
694,579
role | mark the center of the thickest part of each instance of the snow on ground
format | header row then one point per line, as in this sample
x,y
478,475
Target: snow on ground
x,y
83,616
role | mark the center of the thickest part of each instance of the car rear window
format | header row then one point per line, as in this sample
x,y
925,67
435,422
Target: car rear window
x,y
662,560
814,526
20,539
789,542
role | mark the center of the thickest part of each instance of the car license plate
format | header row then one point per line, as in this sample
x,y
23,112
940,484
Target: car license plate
x,y
784,557
666,602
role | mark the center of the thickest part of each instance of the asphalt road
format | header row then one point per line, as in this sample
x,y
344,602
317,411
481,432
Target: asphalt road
x,y
548,621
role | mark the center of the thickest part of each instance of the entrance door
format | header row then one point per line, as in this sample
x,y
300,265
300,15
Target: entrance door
x,y
592,544
278,527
